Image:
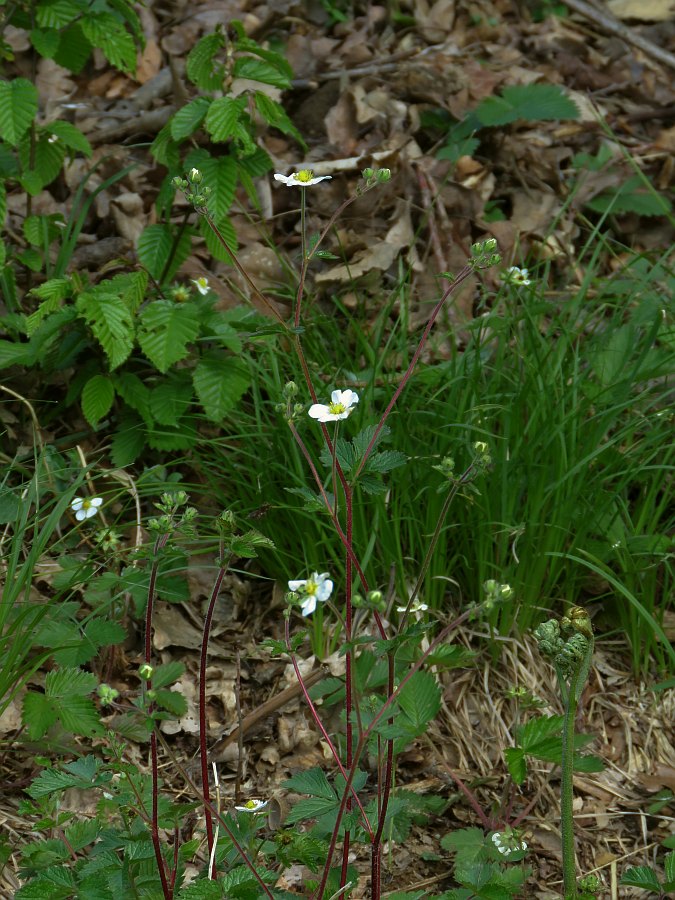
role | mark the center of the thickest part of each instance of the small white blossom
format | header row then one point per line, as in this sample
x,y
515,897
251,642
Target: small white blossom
x,y
416,607
195,175
514,275
313,590
202,285
303,178
340,407
85,508
508,842
253,806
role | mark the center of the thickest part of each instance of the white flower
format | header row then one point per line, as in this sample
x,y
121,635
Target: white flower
x,y
416,607
303,178
514,275
202,285
508,842
195,175
340,406
316,589
252,806
85,508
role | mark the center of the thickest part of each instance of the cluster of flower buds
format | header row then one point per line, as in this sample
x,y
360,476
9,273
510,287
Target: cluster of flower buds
x,y
373,177
482,459
508,842
287,406
483,254
496,592
192,188
169,505
107,694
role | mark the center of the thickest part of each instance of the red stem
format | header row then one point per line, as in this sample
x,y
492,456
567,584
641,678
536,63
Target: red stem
x,y
203,751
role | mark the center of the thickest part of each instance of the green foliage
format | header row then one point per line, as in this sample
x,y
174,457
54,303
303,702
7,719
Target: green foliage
x,y
479,868
64,701
647,879
540,739
525,102
126,347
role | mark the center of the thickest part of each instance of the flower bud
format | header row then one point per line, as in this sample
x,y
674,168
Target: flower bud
x,y
368,173
145,671
383,175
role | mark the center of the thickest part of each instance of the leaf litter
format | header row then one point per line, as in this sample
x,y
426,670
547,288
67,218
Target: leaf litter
x,y
366,90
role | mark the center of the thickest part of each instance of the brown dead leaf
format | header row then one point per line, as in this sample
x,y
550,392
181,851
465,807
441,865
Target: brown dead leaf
x,y
171,629
643,10
149,62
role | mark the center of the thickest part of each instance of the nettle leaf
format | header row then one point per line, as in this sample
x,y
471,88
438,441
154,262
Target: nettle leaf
x,y
18,109
56,13
220,381
170,400
134,392
223,116
71,136
531,102
201,67
261,70
105,31
165,331
420,699
213,245
155,247
313,782
46,41
189,118
97,399
110,321
641,877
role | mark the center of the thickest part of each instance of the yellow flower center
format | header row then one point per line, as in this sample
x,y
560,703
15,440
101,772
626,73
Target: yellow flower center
x,y
87,504
336,409
311,588
250,804
304,175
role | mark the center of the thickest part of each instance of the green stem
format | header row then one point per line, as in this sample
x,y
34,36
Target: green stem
x,y
576,685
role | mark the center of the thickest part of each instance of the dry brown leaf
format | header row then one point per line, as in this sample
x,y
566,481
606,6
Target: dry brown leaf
x,y
643,10
149,62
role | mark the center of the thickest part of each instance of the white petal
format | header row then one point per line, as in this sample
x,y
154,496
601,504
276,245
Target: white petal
x,y
81,515
76,504
319,411
284,179
308,606
297,585
88,513
96,501
324,590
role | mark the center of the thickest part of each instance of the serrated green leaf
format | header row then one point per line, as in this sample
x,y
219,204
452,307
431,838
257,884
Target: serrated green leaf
x,y
632,196
189,118
127,442
42,161
74,48
213,245
110,322
170,400
53,293
261,70
97,399
104,31
420,699
57,13
641,877
530,102
167,673
201,68
274,113
166,151
46,41
39,714
156,245
539,730
220,381
313,782
516,764
18,109
172,701
223,116
165,331
134,392
385,461
71,136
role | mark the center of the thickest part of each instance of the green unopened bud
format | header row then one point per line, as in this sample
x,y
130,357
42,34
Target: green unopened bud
x,y
358,601
383,175
490,245
290,389
107,694
145,671
196,176
368,173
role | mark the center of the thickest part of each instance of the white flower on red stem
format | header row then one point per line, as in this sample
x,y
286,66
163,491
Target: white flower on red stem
x,y
315,589
303,178
253,806
341,406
